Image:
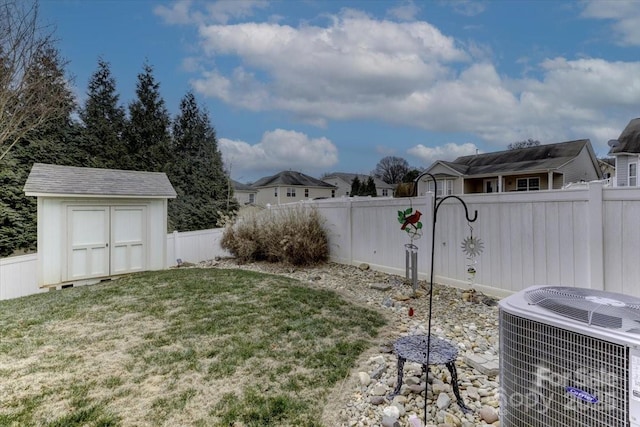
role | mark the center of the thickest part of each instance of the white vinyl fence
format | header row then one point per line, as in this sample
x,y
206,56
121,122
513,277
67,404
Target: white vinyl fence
x,y
18,274
195,246
585,236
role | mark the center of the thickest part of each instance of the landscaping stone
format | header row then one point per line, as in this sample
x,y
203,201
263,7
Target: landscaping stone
x,y
381,286
472,327
488,414
443,401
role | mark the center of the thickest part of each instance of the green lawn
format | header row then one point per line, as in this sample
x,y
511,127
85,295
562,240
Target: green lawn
x,y
201,347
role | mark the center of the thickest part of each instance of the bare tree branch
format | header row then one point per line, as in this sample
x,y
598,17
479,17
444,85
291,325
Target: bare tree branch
x,y
29,99
391,169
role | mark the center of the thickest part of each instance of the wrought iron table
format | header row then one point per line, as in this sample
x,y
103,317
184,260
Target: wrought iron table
x,y
442,352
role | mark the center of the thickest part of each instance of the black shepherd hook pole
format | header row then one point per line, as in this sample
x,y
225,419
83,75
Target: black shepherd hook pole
x,y
436,205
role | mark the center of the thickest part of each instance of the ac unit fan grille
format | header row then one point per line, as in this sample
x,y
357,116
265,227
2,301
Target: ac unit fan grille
x,y
590,306
543,368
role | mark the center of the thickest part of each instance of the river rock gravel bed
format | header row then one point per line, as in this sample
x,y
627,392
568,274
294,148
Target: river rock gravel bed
x,y
466,318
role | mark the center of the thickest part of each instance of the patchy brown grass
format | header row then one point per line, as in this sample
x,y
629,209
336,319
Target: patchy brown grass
x,y
201,347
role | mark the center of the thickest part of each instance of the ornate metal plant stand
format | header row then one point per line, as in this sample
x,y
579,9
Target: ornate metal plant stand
x,y
413,348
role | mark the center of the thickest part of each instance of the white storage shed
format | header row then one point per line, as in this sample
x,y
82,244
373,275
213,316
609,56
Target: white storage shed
x,y
97,223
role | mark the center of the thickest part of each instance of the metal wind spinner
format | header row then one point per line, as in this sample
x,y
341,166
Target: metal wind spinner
x,y
472,246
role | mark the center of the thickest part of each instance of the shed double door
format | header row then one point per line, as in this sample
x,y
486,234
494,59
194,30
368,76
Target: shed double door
x,y
105,240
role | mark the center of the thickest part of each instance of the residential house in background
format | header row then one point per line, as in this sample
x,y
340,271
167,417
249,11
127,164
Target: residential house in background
x,y
343,183
626,150
608,168
290,186
243,193
543,167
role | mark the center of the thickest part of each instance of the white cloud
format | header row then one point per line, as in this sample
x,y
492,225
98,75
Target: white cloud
x,y
411,74
177,14
467,7
279,150
181,12
449,151
351,69
588,84
625,15
225,10
406,11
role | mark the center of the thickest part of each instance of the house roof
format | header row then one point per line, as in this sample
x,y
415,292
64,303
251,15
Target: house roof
x,y
238,186
348,177
629,139
538,158
46,179
460,169
610,161
290,178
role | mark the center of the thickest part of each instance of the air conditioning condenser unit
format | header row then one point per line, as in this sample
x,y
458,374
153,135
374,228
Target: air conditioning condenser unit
x,y
569,357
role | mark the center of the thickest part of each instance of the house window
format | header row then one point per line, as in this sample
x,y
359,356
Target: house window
x,y
275,192
306,193
633,174
333,193
445,187
385,192
252,198
490,185
291,192
528,184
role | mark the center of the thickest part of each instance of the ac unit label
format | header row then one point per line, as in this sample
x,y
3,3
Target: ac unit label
x,y
581,394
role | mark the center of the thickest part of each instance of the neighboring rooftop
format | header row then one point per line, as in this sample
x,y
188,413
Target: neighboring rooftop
x,y
629,139
290,178
71,180
238,186
541,157
348,177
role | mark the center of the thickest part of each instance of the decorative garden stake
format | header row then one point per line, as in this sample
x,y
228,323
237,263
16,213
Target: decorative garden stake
x,y
410,221
472,247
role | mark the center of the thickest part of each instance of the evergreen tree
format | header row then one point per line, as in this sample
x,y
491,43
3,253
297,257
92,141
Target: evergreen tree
x,y
370,188
197,171
48,143
355,186
147,131
104,121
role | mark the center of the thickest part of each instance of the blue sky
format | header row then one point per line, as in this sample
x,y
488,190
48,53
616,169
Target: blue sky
x,y
335,86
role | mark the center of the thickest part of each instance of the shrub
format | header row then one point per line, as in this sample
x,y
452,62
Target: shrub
x,y
293,235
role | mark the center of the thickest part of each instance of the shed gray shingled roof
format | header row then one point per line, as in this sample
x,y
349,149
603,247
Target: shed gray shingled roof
x,y
70,180
629,139
290,178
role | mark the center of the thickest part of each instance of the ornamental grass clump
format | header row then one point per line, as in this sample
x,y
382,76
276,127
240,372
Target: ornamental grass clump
x,y
292,235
